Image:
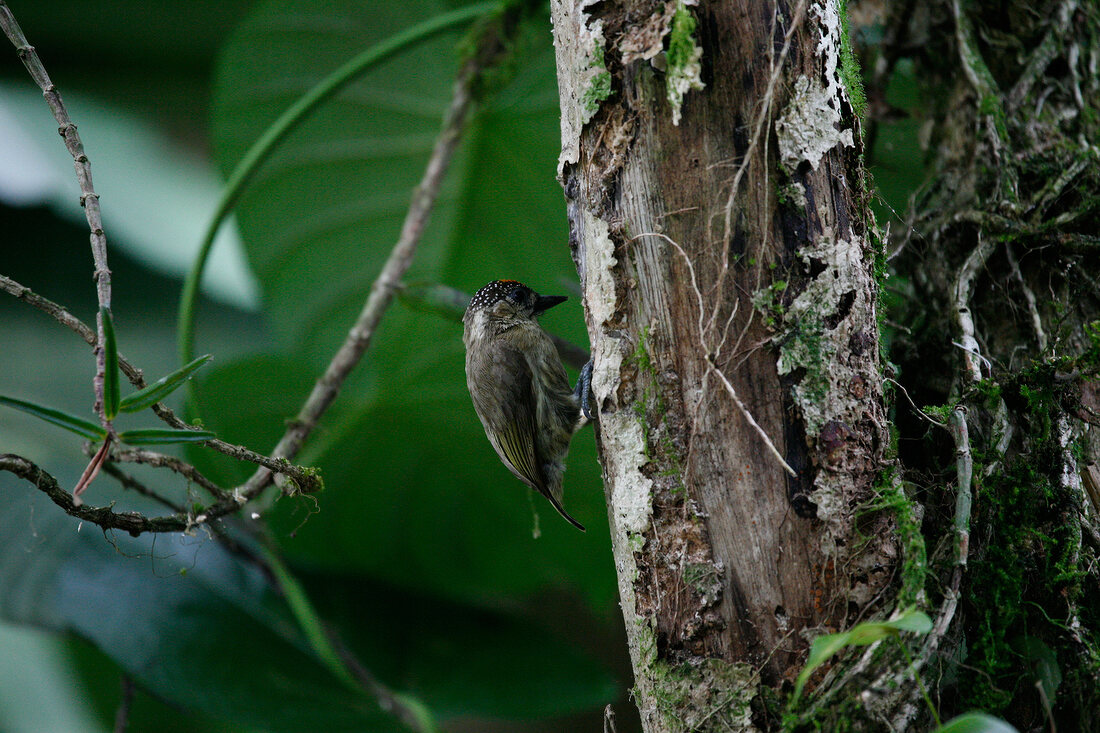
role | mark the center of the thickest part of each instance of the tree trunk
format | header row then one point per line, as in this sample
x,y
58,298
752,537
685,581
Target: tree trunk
x,y
720,225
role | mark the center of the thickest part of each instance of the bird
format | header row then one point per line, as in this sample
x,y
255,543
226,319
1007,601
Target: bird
x,y
519,388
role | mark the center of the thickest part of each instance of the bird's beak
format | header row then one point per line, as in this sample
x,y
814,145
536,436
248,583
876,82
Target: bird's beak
x,y
544,303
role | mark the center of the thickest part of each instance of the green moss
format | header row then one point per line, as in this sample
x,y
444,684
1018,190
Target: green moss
x,y
1029,576
681,39
599,88
891,495
804,350
712,696
651,411
850,73
682,60
768,302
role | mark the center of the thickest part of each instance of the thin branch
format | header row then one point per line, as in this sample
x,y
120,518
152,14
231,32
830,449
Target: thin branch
x,y
122,714
133,523
160,460
89,199
129,482
307,480
749,418
963,317
964,469
1032,306
916,409
711,365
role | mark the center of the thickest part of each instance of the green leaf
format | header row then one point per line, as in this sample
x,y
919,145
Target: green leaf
x,y
83,428
975,723
161,388
192,623
463,661
111,388
418,500
306,104
164,436
403,431
863,634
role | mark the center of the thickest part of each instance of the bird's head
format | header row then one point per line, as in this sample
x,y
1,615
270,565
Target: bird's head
x,y
509,301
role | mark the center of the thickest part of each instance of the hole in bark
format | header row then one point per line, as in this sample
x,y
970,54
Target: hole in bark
x,y
843,308
860,342
814,268
797,457
792,377
737,242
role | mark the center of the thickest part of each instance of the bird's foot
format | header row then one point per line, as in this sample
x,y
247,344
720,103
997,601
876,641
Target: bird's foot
x,y
584,388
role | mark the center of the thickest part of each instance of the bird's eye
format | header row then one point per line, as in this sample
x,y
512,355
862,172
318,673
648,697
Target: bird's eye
x,y
516,296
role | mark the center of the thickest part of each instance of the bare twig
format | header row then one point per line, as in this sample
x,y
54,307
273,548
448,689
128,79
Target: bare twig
x,y
964,468
133,523
963,317
1032,307
122,714
916,409
609,720
159,460
89,199
129,482
712,367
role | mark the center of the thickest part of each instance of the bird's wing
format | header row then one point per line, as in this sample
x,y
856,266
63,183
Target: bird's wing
x,y
514,435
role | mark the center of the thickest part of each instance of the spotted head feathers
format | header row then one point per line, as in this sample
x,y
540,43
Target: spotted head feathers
x,y
521,297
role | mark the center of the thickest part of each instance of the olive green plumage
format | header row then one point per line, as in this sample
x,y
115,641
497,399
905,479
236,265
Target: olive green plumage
x,y
519,387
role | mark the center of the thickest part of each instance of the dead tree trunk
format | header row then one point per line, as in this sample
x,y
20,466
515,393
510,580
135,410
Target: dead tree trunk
x,y
719,222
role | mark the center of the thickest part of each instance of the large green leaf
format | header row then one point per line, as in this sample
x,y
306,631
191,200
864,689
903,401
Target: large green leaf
x,y
416,495
463,662
321,216
192,623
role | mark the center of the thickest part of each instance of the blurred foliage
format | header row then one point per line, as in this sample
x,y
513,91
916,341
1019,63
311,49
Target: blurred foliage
x,y
419,555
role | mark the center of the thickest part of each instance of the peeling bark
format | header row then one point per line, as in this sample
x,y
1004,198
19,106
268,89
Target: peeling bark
x,y
728,268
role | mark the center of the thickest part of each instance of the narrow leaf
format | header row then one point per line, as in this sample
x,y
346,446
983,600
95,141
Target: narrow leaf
x,y
862,634
110,375
161,388
83,428
308,620
164,436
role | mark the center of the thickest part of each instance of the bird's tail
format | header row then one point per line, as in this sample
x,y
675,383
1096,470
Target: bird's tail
x,y
561,510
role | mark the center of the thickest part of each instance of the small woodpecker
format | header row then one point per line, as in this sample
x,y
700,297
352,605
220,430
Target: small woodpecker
x,y
519,388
